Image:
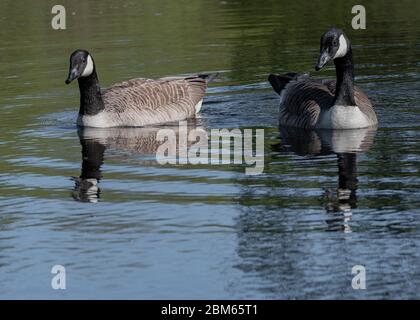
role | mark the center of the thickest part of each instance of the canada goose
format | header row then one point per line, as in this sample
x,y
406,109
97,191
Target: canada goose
x,y
136,102
327,104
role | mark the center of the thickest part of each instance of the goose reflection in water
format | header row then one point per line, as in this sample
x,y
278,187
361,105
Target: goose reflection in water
x,y
133,141
86,186
346,144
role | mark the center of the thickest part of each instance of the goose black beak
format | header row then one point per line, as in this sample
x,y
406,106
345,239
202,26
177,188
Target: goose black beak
x,y
72,75
324,58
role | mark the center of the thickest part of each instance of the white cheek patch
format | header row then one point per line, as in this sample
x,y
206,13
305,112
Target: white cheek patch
x,y
342,49
89,67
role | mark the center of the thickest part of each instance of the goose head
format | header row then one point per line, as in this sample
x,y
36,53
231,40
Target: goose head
x,y
334,44
81,65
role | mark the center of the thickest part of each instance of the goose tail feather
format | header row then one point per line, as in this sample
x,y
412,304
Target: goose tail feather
x,y
208,77
278,82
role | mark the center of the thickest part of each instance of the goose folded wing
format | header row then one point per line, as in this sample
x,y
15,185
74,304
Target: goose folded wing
x,y
139,94
303,101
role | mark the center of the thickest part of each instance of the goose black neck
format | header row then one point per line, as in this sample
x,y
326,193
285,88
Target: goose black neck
x,y
91,101
347,177
347,171
92,158
344,91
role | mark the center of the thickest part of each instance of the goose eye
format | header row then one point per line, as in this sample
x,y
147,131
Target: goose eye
x,y
335,43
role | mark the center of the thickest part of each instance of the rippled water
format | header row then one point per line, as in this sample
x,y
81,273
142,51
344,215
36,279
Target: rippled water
x,y
125,226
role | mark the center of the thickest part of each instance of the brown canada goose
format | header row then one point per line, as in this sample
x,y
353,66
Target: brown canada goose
x,y
136,102
327,104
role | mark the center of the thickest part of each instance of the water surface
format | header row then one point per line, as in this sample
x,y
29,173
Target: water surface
x,y
126,227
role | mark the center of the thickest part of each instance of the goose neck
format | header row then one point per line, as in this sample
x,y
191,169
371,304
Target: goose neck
x,y
91,101
344,93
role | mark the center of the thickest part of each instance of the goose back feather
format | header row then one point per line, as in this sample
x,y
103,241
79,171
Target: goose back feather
x,y
139,102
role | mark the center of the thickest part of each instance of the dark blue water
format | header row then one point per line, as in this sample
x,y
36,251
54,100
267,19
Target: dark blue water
x,y
125,226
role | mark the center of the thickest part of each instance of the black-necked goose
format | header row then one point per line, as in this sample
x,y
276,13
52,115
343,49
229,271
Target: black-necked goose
x,y
136,102
325,104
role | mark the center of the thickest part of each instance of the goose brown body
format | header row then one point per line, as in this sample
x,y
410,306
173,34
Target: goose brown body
x,y
140,102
